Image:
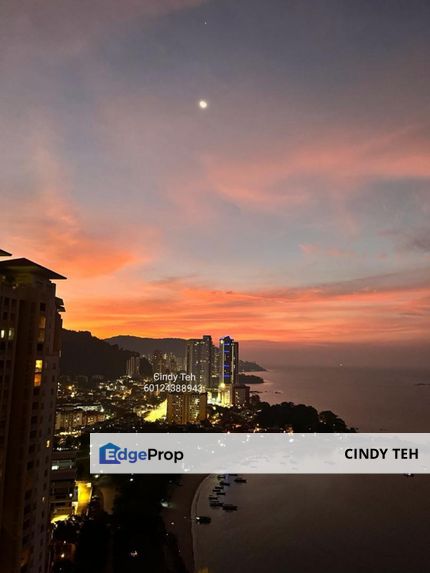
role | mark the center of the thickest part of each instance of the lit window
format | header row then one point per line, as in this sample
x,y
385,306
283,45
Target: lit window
x,y
38,372
11,334
2,334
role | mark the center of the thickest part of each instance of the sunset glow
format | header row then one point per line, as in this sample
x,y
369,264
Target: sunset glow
x,y
296,209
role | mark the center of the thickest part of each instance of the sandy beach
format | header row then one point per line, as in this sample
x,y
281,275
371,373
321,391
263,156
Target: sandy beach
x,y
178,516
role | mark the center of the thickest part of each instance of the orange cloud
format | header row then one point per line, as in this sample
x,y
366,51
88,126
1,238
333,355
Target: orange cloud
x,y
48,226
379,309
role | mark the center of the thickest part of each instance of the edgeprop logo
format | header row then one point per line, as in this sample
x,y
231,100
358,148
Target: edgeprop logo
x,y
112,454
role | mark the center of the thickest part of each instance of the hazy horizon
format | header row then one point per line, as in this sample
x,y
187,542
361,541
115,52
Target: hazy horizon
x,y
278,354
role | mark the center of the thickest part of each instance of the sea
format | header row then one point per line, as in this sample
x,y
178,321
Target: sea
x,y
329,524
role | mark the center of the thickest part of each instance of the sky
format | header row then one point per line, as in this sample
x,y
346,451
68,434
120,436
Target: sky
x,y
294,209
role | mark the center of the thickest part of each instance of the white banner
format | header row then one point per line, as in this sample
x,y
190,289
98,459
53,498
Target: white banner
x,y
260,453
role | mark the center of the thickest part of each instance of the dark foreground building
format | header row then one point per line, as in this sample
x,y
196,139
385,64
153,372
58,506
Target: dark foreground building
x,y
30,328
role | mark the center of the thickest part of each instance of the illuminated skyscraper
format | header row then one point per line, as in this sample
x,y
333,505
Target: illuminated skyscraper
x,y
229,368
215,368
186,407
198,360
30,328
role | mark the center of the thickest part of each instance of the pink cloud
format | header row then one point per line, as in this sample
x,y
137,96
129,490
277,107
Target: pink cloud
x,y
332,164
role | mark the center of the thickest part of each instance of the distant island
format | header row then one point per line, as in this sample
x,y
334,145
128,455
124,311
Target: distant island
x,y
246,366
250,379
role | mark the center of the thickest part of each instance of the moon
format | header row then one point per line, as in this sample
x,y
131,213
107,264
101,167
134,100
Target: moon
x,y
203,104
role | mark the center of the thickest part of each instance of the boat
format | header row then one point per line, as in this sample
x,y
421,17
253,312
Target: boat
x,y
203,519
240,480
215,504
224,483
229,507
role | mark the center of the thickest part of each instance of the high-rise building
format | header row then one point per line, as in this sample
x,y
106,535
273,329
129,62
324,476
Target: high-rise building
x,y
133,366
241,395
158,362
30,328
64,491
199,359
172,363
229,368
215,368
186,407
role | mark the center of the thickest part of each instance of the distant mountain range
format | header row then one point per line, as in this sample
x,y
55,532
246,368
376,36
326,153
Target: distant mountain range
x,y
84,354
176,346
149,345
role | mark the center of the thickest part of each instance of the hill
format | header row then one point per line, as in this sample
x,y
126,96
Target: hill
x,y
84,354
149,345
175,345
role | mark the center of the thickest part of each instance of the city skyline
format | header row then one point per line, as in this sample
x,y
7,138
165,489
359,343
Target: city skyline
x,y
294,205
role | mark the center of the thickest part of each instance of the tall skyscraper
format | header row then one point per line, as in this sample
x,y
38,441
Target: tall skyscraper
x,y
229,368
158,362
133,366
30,328
186,407
199,360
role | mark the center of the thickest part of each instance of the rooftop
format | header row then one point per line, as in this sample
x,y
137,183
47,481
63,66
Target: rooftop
x,y
4,253
25,266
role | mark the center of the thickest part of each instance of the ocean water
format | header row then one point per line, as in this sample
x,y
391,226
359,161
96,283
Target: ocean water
x,y
329,524
373,400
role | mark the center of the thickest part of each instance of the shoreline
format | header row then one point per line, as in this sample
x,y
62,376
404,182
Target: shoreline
x,y
194,511
178,517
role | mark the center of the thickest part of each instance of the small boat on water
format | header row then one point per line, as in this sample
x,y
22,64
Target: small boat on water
x,y
224,483
240,480
229,507
203,519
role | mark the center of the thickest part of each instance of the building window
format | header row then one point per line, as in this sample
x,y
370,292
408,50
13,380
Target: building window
x,y
42,327
38,372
